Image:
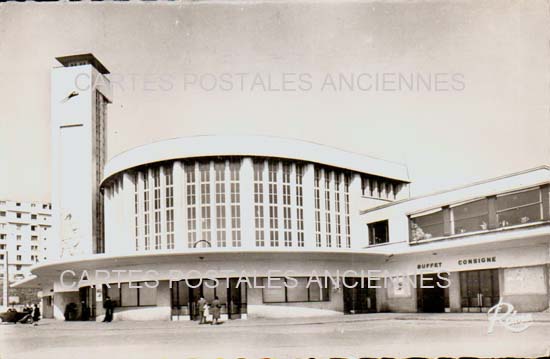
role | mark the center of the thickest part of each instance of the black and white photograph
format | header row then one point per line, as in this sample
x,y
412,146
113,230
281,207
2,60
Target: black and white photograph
x,y
274,179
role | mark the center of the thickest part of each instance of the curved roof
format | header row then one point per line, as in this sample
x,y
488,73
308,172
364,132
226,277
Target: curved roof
x,y
204,146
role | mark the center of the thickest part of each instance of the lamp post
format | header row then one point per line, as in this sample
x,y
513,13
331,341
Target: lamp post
x,y
5,280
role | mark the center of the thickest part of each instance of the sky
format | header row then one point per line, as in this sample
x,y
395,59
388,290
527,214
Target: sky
x,y
273,68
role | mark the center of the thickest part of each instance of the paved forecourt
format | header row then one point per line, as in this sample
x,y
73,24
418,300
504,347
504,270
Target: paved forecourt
x,y
350,336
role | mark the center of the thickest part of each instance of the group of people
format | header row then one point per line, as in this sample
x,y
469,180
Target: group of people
x,y
205,310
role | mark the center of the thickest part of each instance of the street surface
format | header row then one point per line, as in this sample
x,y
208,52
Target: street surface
x,y
371,335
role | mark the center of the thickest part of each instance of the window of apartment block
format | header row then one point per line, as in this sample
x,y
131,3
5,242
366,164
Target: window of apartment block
x,y
378,233
18,267
2,214
33,228
34,238
2,236
18,204
18,237
18,215
33,216
18,258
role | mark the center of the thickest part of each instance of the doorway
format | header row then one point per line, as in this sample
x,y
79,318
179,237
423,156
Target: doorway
x,y
433,298
87,308
359,298
186,294
479,290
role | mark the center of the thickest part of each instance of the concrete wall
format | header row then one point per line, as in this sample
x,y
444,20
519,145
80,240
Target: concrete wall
x,y
257,308
454,292
526,288
388,299
60,301
162,311
47,307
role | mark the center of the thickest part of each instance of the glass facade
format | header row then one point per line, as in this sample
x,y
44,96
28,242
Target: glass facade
x,y
169,178
259,216
317,199
234,170
205,203
273,208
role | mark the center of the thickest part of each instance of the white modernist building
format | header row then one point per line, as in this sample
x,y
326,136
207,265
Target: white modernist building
x,y
24,233
191,217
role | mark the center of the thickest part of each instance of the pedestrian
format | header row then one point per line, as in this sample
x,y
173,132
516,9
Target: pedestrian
x,y
216,310
108,306
202,306
35,314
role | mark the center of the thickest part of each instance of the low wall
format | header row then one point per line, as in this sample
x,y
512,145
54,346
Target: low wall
x,y
274,311
139,314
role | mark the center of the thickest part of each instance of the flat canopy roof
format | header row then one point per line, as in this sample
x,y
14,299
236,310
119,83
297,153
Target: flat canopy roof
x,y
262,146
83,58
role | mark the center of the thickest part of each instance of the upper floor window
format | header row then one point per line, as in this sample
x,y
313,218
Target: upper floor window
x,y
519,208
427,226
378,233
503,210
470,217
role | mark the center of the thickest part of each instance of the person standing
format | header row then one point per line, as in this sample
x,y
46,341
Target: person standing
x,y
35,314
202,306
108,306
216,306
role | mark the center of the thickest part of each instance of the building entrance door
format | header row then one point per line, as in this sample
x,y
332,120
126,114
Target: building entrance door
x,y
359,298
434,299
237,299
186,294
87,303
195,293
479,290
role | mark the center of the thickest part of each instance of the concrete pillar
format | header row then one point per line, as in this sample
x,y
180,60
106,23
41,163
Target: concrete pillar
x,y
454,292
382,299
164,300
